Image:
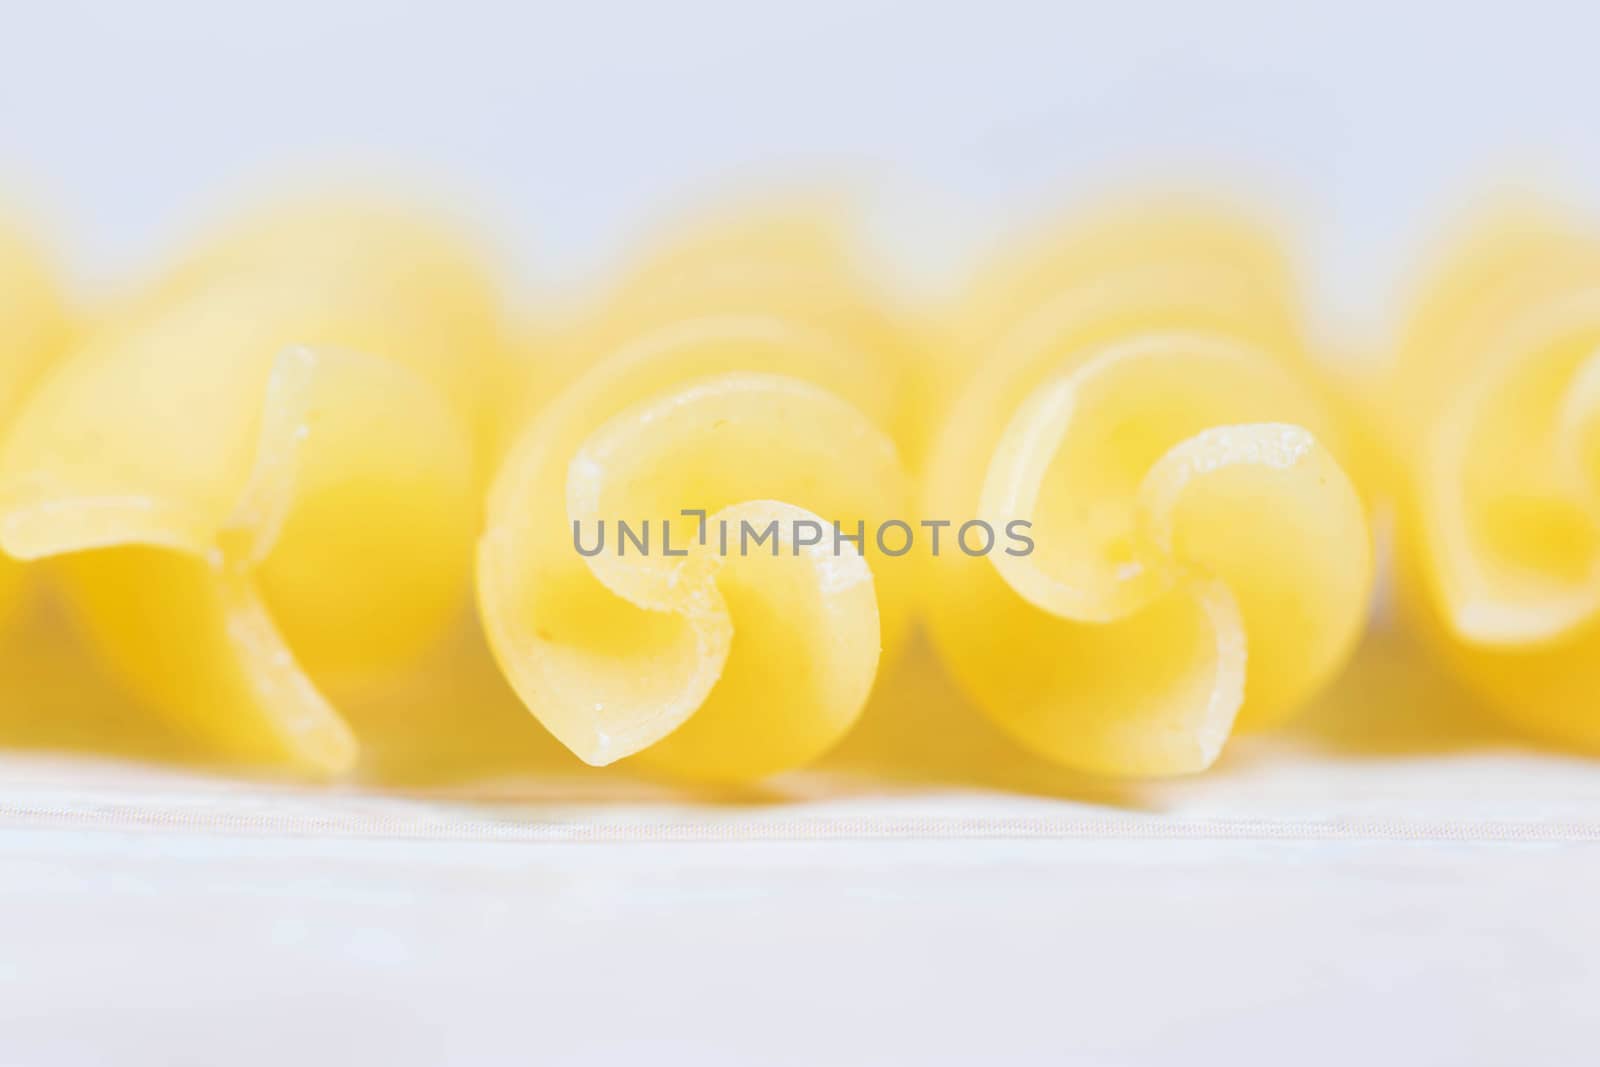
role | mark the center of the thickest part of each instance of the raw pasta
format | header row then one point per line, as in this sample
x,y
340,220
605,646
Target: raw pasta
x,y
1495,419
1136,390
259,476
742,374
790,261
33,330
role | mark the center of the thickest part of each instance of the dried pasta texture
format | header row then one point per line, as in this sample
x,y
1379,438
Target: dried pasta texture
x,y
258,478
34,328
719,384
1137,392
1495,420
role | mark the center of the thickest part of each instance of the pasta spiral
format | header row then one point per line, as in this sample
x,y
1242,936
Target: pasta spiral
x,y
1495,420
747,380
1136,391
34,325
259,476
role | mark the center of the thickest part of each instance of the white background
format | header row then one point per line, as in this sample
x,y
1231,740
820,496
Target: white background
x,y
563,127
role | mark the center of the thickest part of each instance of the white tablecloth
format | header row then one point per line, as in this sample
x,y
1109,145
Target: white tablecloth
x,y
1388,881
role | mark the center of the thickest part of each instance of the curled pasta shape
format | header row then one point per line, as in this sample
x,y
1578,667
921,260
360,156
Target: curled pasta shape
x,y
789,261
725,662
34,326
258,479
1200,558
1496,423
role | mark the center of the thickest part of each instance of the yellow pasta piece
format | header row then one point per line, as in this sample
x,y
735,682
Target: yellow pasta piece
x,y
1495,419
381,256
730,390
788,261
33,330
260,478
1200,560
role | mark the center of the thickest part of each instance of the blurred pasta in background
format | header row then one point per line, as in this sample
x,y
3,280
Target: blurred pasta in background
x,y
34,328
258,477
1493,415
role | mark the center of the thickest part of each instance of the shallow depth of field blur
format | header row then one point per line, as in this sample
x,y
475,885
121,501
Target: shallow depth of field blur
x,y
567,136
928,890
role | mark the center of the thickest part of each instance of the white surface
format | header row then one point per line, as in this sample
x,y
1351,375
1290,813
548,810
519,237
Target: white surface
x,y
1391,879
1321,912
